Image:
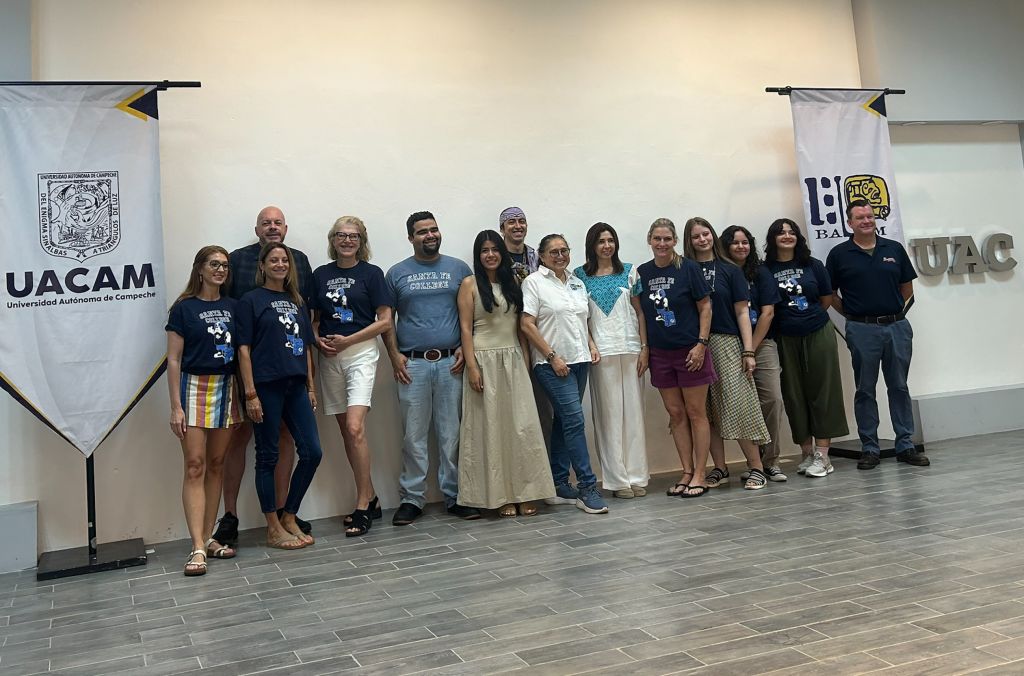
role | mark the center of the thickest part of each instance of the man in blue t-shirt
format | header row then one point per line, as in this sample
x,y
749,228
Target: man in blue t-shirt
x,y
270,227
424,345
874,280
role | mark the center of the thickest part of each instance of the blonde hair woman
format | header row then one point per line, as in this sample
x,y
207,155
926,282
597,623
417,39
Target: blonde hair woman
x,y
351,307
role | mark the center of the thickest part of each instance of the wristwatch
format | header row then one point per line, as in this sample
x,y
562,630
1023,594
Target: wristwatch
x,y
551,355
704,341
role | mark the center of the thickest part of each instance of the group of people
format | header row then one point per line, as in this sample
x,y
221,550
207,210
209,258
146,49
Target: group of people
x,y
496,358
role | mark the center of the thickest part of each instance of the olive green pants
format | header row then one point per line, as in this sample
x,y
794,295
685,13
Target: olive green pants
x,y
812,387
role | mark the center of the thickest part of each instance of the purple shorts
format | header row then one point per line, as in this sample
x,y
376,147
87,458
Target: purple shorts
x,y
668,369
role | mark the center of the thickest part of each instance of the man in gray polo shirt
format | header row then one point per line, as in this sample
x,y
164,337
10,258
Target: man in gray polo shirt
x,y
424,347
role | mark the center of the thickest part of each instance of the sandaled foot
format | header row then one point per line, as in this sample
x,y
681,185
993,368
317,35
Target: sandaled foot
x,y
360,523
717,477
508,510
694,491
756,481
680,487
290,542
373,508
528,509
216,550
194,566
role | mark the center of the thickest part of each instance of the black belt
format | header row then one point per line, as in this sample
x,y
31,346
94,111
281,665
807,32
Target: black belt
x,y
882,321
429,355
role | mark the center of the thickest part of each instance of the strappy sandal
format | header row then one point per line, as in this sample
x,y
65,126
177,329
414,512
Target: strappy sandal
x,y
527,509
508,510
676,491
215,550
374,508
195,568
756,481
288,543
717,477
359,524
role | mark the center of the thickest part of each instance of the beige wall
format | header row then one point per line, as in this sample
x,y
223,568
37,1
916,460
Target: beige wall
x,y
576,110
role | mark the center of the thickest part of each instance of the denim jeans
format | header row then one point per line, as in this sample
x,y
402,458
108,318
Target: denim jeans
x,y
568,428
433,393
890,347
287,400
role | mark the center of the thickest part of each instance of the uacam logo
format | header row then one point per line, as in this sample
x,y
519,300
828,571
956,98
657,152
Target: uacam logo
x,y
872,189
79,214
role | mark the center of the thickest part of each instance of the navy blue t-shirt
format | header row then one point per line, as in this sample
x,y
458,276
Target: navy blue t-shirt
x,y
348,298
870,282
799,312
206,326
669,298
763,291
727,287
277,332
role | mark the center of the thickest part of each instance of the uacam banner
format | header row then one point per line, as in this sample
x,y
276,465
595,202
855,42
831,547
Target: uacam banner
x,y
83,306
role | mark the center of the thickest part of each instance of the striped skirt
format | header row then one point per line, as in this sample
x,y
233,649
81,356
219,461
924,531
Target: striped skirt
x,y
210,401
732,402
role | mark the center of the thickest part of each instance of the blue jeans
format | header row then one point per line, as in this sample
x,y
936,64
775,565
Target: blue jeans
x,y
568,428
890,347
286,400
433,393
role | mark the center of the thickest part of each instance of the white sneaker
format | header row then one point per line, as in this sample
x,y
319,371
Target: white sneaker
x,y
774,473
804,464
820,466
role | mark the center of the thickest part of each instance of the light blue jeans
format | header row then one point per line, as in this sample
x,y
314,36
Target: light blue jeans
x,y
434,393
889,347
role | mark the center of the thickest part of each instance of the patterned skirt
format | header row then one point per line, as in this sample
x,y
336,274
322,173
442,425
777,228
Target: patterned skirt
x,y
210,401
733,407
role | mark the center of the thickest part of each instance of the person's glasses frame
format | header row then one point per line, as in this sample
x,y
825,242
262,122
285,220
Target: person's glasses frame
x,y
342,236
218,265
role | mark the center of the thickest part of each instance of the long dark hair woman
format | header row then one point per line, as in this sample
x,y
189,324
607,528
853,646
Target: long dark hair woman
x,y
503,463
274,335
732,400
741,249
812,385
201,369
616,383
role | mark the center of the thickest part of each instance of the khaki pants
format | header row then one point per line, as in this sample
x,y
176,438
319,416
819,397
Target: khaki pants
x,y
767,379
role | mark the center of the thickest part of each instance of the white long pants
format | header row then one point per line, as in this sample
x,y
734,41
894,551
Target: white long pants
x,y
617,396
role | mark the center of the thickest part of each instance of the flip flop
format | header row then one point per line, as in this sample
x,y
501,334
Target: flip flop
x,y
673,493
703,491
287,543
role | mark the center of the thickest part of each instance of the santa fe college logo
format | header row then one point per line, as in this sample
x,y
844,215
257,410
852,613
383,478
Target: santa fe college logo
x,y
79,214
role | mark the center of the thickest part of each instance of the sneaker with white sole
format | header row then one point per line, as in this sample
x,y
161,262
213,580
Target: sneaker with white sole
x,y
590,501
565,494
820,466
774,473
804,464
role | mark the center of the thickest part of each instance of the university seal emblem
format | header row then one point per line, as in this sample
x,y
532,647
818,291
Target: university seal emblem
x,y
79,214
870,188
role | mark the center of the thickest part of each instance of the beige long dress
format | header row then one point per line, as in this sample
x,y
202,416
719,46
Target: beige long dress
x,y
502,458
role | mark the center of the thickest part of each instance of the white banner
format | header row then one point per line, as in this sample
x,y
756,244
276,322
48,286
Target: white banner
x,y
843,154
82,259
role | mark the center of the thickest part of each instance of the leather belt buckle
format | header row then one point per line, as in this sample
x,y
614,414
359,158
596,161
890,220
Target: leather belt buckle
x,y
432,355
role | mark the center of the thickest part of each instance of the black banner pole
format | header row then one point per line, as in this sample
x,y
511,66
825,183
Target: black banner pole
x,y
786,91
90,501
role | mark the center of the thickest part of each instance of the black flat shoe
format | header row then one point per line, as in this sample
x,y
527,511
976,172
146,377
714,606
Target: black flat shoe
x,y
227,529
913,458
360,524
466,513
868,460
406,514
373,508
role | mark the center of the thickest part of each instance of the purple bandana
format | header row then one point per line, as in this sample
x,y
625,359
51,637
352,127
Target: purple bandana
x,y
511,212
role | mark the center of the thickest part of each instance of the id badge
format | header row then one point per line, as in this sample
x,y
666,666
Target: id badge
x,y
753,317
296,346
346,316
669,317
801,303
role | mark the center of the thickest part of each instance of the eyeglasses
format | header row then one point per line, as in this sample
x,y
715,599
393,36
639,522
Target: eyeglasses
x,y
217,265
556,253
343,236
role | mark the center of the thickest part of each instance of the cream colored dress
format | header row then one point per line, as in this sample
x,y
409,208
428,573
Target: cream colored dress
x,y
502,458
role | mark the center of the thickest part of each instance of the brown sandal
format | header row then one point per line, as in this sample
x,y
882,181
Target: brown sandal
x,y
528,509
508,510
195,568
287,543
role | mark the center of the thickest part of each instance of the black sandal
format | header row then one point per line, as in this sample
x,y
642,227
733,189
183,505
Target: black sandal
x,y
374,508
362,521
717,477
703,491
672,493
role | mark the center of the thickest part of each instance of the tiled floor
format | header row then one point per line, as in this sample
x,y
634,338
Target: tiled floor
x,y
898,571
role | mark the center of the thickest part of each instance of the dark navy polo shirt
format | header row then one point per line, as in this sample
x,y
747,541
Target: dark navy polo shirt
x,y
870,282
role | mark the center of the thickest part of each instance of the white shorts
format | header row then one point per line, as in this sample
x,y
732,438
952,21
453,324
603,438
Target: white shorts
x,y
347,378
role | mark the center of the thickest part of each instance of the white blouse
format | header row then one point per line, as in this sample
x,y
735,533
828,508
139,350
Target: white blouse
x,y
613,321
561,311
